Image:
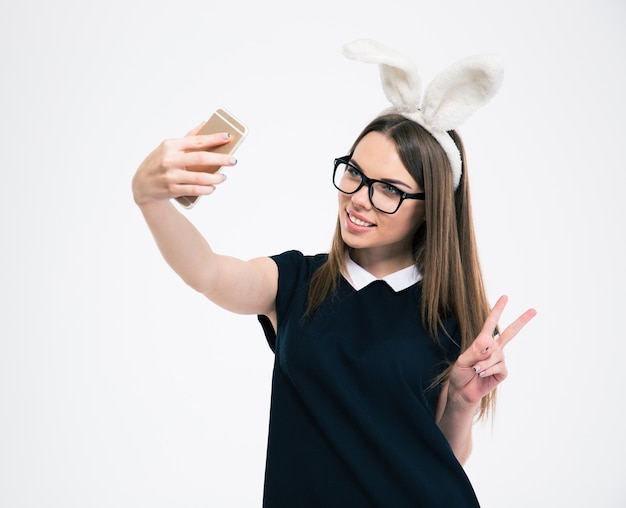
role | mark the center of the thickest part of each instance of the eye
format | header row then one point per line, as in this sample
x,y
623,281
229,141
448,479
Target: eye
x,y
353,172
390,189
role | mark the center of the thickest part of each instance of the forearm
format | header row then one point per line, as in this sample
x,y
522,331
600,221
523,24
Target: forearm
x,y
476,373
246,287
236,285
456,423
182,246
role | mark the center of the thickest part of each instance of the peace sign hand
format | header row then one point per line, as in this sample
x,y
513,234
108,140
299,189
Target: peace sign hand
x,y
480,368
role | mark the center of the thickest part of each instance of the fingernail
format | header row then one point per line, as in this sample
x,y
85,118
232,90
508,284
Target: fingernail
x,y
484,351
476,368
482,374
226,135
223,177
232,161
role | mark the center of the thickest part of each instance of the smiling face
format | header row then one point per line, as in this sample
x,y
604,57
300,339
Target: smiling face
x,y
379,242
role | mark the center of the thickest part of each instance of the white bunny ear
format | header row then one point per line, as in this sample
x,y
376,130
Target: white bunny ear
x,y
449,99
461,89
399,75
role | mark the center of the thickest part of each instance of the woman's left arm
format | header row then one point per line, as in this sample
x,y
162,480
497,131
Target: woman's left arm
x,y
475,374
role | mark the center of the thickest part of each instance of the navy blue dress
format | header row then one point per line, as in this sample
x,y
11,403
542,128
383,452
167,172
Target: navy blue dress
x,y
352,415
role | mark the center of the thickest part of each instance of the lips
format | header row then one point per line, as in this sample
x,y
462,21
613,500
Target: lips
x,y
359,221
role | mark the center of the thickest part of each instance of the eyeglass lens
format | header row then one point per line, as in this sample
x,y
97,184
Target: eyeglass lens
x,y
383,196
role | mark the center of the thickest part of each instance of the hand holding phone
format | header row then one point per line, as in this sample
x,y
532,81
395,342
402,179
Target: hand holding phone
x,y
220,121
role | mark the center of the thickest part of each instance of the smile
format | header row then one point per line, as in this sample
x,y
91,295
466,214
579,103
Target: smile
x,y
359,222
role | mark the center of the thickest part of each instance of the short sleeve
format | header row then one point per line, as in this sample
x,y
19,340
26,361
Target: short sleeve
x,y
291,280
452,338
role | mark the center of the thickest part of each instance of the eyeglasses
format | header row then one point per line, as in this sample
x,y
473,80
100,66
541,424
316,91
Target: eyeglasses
x,y
384,197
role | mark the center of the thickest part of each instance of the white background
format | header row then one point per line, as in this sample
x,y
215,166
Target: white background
x,y
119,386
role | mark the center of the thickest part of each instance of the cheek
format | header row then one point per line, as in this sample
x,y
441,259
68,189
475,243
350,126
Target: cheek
x,y
419,218
344,200
413,220
341,200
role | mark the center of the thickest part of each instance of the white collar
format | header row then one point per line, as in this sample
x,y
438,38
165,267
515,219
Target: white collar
x,y
359,277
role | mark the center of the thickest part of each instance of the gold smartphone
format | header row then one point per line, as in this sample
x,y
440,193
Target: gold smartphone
x,y
220,121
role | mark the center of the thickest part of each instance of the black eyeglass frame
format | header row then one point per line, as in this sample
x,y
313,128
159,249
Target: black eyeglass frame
x,y
369,182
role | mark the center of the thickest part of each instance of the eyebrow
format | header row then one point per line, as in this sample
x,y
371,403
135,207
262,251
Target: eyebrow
x,y
392,181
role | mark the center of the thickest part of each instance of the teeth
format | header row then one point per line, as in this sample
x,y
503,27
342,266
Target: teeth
x,y
358,222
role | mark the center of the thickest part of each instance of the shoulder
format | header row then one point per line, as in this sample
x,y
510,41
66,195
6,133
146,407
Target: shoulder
x,y
295,271
294,263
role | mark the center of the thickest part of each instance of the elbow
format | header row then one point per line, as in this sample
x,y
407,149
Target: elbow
x,y
193,282
461,444
202,282
463,454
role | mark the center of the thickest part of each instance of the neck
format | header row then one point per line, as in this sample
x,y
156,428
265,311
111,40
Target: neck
x,y
380,265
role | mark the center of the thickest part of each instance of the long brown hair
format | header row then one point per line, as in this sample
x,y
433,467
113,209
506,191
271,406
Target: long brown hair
x,y
444,247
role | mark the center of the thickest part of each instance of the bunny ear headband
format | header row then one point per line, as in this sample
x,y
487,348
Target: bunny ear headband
x,y
451,97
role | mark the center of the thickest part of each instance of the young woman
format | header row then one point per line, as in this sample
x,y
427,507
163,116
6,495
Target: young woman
x,y
385,348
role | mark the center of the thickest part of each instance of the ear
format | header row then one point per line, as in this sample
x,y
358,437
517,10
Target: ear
x,y
399,75
461,89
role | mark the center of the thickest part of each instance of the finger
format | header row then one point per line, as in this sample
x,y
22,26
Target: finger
x,y
203,141
183,177
196,184
498,370
195,130
513,329
491,323
483,344
206,161
192,190
488,361
479,352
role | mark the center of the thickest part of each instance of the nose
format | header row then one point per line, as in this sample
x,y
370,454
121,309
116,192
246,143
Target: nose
x,y
361,197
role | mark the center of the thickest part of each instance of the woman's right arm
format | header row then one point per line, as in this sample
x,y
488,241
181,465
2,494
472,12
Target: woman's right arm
x,y
246,287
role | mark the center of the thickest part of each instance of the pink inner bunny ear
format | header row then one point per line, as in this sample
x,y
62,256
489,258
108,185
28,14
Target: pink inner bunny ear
x,y
461,89
399,76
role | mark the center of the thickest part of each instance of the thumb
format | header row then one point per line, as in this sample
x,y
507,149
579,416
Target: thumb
x,y
195,130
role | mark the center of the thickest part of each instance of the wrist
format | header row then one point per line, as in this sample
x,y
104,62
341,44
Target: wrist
x,y
458,403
